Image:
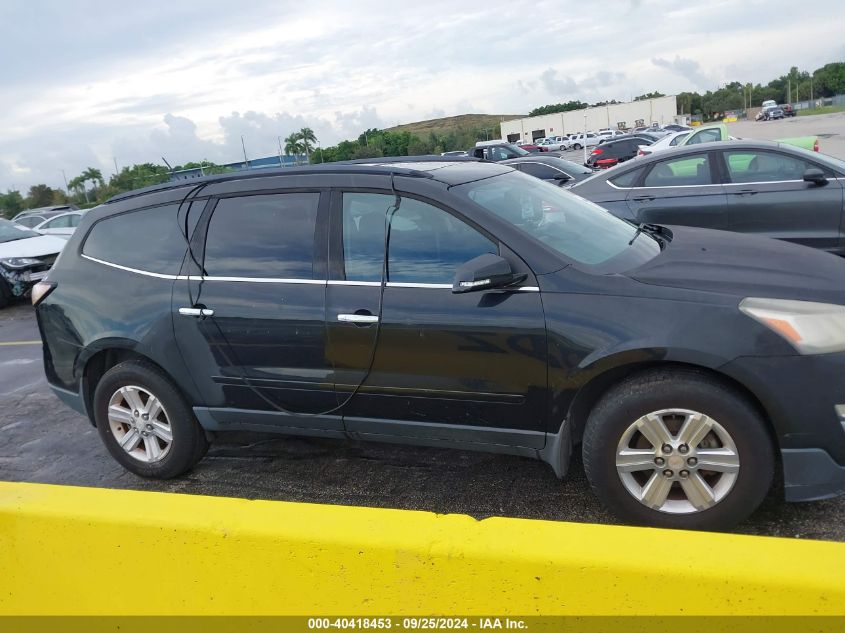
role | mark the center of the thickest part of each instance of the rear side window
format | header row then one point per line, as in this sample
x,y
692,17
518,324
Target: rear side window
x,y
679,172
538,170
148,239
628,179
756,166
263,236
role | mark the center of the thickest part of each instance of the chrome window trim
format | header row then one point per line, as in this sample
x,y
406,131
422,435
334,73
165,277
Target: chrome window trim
x,y
340,282
137,271
261,280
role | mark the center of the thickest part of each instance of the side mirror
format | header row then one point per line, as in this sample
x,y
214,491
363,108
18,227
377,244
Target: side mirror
x,y
815,176
485,272
561,178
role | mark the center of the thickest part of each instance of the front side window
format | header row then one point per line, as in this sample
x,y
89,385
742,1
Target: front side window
x,y
578,229
755,166
706,136
680,172
30,221
61,222
427,244
263,236
148,239
678,139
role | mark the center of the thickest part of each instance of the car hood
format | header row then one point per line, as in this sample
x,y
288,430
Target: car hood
x,y
745,265
32,247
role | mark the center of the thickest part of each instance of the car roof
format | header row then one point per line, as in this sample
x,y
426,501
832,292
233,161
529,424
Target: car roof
x,y
450,170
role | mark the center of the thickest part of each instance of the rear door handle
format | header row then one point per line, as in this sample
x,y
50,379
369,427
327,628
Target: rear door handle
x,y
196,312
745,192
357,318
643,198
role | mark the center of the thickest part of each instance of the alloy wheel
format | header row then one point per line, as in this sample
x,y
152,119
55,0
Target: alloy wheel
x,y
140,424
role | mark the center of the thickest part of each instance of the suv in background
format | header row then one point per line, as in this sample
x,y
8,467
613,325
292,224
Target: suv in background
x,y
457,304
31,218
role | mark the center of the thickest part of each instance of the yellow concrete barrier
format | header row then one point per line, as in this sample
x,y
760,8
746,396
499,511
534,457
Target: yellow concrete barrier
x,y
83,551
729,119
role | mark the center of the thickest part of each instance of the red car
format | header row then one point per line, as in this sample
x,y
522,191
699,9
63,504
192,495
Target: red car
x,y
533,148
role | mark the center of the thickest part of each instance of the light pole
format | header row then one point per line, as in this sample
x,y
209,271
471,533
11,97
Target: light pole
x,y
243,146
280,151
584,144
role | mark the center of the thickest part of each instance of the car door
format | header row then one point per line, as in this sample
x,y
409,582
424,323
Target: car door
x,y
445,367
251,327
767,195
60,226
681,190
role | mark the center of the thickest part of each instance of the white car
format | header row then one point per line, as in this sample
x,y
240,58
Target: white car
x,y
62,225
608,134
555,143
670,140
25,258
579,142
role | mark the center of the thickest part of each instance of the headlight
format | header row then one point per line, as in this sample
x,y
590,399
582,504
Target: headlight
x,y
811,328
19,262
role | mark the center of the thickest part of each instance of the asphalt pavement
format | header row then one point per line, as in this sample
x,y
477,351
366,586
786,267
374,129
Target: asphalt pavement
x,y
41,440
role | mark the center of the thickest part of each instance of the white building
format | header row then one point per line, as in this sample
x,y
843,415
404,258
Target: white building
x,y
662,111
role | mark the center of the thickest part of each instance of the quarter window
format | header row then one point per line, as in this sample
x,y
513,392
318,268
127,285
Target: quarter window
x,y
689,170
264,236
427,244
753,166
147,239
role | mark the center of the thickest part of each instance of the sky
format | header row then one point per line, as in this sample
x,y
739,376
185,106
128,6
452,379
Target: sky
x,y
93,82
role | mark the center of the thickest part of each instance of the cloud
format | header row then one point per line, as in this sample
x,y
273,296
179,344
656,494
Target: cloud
x,y
557,86
687,68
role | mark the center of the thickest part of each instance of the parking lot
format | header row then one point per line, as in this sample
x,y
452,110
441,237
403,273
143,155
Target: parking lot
x,y
41,440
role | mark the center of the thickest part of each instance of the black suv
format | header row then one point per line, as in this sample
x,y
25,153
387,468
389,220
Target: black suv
x,y
461,304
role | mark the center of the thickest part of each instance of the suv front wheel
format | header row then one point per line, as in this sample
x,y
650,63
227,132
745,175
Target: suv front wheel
x,y
678,449
145,423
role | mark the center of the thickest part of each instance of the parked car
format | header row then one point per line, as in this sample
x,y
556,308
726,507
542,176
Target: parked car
x,y
788,110
533,148
670,140
580,141
508,315
555,143
497,151
25,258
776,113
553,169
674,127
607,134
770,189
719,132
458,153
62,225
613,152
33,217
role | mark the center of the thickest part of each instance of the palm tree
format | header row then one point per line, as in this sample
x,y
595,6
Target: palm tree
x,y
306,135
78,183
94,175
293,145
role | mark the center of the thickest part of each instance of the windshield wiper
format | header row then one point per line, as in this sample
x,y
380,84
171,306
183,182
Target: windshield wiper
x,y
644,227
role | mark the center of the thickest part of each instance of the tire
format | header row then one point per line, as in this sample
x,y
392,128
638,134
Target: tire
x,y
138,379
5,294
677,397
577,146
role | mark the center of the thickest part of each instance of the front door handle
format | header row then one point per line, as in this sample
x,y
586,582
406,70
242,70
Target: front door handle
x,y
643,198
745,192
357,318
196,312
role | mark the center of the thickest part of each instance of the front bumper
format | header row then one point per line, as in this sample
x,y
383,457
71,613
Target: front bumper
x,y
21,280
800,395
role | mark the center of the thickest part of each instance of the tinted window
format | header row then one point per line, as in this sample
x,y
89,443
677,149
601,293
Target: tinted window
x,y
427,244
149,239
689,170
678,139
30,221
61,222
628,179
73,220
754,166
263,236
539,170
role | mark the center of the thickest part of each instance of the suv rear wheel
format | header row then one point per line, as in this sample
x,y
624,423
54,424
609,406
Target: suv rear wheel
x,y
145,422
678,449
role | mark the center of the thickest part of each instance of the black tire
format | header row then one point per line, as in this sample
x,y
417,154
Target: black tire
x,y
658,390
577,146
189,443
5,294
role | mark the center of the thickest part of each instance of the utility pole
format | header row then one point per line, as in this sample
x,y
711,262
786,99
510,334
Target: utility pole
x,y
280,151
115,165
788,90
584,144
243,146
65,179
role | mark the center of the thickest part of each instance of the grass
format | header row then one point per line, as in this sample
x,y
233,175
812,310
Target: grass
x,y
454,123
822,110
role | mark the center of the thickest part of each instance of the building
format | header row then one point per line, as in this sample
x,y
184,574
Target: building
x,y
255,163
662,111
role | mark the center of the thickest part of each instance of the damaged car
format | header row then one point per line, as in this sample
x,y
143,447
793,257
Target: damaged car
x,y
25,258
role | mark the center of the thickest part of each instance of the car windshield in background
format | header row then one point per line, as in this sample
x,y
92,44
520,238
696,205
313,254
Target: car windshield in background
x,y
576,228
9,231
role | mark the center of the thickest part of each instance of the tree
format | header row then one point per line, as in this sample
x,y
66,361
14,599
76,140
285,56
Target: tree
x,y
829,80
308,140
649,95
293,145
11,203
558,107
94,175
39,196
77,184
138,176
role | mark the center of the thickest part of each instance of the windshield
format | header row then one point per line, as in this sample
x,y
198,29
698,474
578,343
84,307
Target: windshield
x,y
576,228
9,232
